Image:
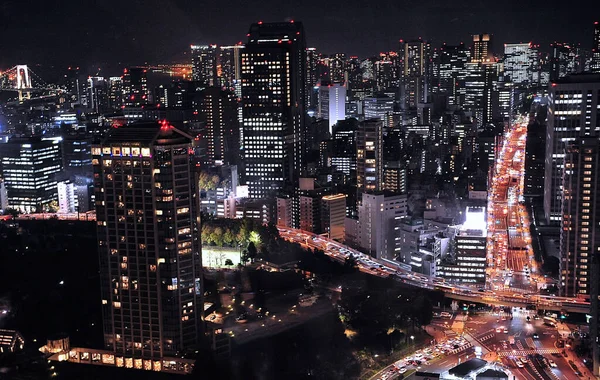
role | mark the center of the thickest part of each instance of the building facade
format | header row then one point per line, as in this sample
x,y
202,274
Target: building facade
x,y
273,85
150,259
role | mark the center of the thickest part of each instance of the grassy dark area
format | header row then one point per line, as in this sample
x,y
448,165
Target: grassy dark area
x,y
34,259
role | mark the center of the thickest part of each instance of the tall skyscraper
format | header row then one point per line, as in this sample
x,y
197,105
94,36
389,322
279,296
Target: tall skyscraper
x,y
29,167
273,112
97,94
115,92
204,64
218,112
595,66
482,48
480,90
332,103
337,64
450,71
519,63
369,156
565,59
312,63
135,87
416,72
572,113
580,236
229,68
150,258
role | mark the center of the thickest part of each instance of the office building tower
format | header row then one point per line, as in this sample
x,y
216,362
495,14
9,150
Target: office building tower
x,y
470,251
204,65
333,214
229,68
579,235
150,252
535,148
332,103
519,63
450,66
369,159
97,93
343,147
480,90
565,59
379,215
135,87
416,74
482,48
67,200
336,64
77,154
572,113
115,93
29,168
379,107
218,113
312,78
595,65
273,85
73,84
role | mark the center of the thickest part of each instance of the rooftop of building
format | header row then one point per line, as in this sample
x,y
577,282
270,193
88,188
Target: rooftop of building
x,y
578,78
147,133
462,370
492,374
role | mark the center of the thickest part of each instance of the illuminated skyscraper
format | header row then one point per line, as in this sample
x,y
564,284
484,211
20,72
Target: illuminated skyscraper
x,y
369,156
218,112
482,48
115,92
29,166
595,66
332,103
135,87
580,236
450,65
520,63
229,67
150,262
204,64
273,112
572,113
416,72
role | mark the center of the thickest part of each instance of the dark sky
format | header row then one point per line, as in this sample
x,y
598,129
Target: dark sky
x,y
98,32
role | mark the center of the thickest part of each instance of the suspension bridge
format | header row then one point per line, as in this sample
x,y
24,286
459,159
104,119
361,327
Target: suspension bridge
x,y
24,81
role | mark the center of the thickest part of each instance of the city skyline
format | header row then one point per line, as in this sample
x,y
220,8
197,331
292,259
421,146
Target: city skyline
x,y
329,28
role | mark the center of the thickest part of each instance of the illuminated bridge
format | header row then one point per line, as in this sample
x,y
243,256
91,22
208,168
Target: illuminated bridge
x,y
23,80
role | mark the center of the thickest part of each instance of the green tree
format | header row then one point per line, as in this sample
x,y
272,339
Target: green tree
x,y
229,237
205,234
217,236
422,311
254,238
252,251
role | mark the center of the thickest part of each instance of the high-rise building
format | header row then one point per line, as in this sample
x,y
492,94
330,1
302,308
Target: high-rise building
x,y
572,113
229,68
579,235
204,65
333,214
595,65
332,103
97,92
565,59
482,48
379,107
480,90
535,160
450,66
218,113
273,85
150,252
379,215
416,73
520,63
135,87
115,93
337,67
312,78
369,156
29,167
77,154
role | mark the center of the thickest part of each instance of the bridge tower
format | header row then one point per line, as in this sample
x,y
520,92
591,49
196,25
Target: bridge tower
x,y
23,82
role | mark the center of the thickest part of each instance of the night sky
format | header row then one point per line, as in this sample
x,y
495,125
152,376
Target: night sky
x,y
103,32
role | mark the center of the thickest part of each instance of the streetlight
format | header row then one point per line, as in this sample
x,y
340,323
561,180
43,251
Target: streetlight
x,y
412,338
